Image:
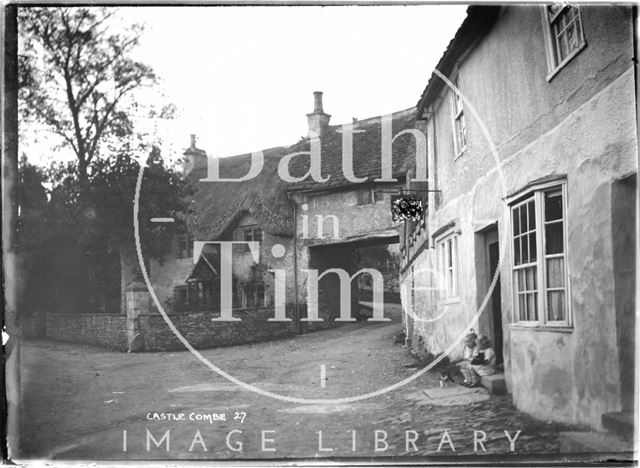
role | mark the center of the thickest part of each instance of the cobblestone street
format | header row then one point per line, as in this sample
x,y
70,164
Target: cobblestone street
x,y
81,402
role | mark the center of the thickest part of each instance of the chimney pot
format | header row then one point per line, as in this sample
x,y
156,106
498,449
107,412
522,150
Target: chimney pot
x,y
318,121
317,102
194,158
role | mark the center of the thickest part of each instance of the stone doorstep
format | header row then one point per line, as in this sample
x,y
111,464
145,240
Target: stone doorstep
x,y
619,423
592,442
495,383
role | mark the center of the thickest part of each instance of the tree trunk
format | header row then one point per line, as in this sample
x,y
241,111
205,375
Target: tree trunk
x,y
129,272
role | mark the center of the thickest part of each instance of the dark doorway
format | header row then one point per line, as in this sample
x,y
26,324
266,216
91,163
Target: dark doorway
x,y
493,251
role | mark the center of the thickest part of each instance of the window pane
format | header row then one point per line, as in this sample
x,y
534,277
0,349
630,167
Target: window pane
x,y
532,247
516,251
564,46
525,249
516,224
556,305
552,206
523,219
531,279
364,197
532,215
520,277
257,235
554,10
531,307
555,272
554,238
522,307
572,38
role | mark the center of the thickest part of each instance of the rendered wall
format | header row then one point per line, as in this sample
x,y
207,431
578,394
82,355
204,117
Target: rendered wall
x,y
578,127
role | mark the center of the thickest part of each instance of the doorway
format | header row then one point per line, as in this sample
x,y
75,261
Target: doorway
x,y
493,252
487,262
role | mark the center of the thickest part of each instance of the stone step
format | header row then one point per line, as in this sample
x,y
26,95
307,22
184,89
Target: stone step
x,y
619,423
594,442
495,383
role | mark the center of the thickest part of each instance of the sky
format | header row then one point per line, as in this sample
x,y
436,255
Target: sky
x,y
243,77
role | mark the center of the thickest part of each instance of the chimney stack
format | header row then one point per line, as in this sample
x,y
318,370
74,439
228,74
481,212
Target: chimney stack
x,y
318,121
194,158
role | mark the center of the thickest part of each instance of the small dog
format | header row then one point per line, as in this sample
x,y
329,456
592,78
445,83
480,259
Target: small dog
x,y
444,379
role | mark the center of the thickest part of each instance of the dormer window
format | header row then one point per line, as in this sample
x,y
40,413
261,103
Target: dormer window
x,y
565,36
252,234
248,234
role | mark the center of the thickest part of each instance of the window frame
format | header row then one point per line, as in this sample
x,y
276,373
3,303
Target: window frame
x,y
537,194
252,229
450,292
457,114
550,39
245,288
185,245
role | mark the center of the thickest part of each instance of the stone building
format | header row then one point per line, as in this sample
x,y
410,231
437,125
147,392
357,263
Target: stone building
x,y
252,210
530,235
302,220
348,206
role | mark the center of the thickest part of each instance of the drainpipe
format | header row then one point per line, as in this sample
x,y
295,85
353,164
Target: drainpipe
x,y
296,313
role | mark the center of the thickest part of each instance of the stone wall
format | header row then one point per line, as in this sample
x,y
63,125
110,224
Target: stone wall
x,y
109,331
32,325
198,329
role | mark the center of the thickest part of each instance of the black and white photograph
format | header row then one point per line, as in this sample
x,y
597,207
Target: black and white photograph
x,y
325,233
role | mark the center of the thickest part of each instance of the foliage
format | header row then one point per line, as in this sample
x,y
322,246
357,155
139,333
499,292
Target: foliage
x,y
32,202
108,202
74,73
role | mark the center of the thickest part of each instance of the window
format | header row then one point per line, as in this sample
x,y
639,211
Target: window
x,y
459,127
539,257
448,266
369,196
252,295
185,246
251,234
565,37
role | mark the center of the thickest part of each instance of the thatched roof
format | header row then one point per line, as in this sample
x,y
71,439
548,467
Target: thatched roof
x,y
218,205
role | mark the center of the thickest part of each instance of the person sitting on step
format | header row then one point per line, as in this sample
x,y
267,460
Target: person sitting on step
x,y
483,362
470,346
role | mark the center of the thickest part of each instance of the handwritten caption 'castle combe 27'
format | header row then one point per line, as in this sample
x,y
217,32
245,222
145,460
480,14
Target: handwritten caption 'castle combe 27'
x,y
278,251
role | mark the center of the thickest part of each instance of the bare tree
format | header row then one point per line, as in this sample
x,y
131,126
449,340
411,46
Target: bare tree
x,y
74,73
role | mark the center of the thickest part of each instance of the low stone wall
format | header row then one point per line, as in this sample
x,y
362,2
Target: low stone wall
x,y
201,332
390,297
109,331
32,325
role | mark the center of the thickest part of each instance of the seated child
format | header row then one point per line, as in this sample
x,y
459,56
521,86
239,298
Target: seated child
x,y
467,355
483,362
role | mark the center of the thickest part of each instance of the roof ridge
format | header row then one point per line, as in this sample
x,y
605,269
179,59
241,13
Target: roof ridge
x,y
400,113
